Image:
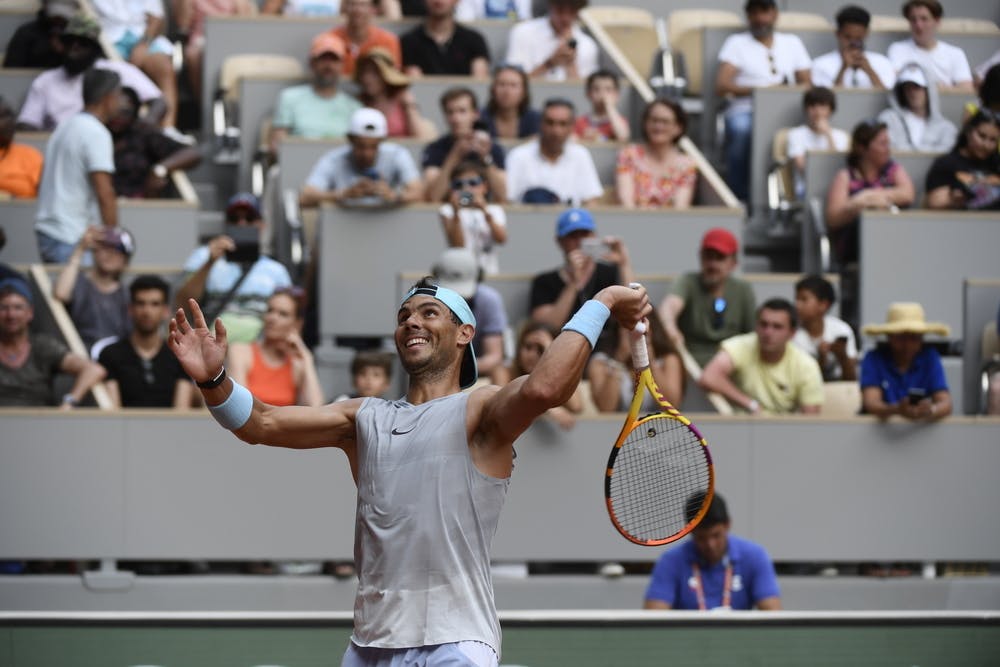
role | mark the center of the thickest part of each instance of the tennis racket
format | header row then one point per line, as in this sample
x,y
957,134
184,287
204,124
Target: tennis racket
x,y
660,477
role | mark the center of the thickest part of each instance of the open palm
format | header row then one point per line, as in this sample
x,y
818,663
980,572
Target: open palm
x,y
200,351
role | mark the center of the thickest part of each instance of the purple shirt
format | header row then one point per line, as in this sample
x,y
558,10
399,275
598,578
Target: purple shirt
x,y
753,577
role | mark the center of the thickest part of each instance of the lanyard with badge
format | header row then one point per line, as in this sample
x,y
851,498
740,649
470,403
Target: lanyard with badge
x,y
727,586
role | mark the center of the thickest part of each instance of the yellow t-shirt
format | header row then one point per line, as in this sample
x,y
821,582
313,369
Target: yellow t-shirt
x,y
783,387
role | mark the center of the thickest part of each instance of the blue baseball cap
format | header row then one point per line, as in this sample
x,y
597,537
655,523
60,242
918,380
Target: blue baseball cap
x,y
574,219
19,287
460,307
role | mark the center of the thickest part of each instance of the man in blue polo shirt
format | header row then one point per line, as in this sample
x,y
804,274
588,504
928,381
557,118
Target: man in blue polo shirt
x,y
713,569
905,377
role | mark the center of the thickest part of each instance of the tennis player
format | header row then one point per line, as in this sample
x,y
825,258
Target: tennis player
x,y
432,469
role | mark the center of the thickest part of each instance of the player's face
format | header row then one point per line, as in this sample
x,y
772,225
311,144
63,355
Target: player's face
x,y
711,542
426,337
774,330
15,315
923,25
148,311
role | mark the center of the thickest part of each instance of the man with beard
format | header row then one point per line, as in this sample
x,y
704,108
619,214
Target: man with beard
x,y
144,156
55,94
706,307
76,189
142,372
440,46
757,58
318,109
432,469
37,44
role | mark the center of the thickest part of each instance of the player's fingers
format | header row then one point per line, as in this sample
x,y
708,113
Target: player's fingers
x,y
220,331
197,315
180,322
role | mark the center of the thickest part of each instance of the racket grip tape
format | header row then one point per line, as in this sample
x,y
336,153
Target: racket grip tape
x,y
640,355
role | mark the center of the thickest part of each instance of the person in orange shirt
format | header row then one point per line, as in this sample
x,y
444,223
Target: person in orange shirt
x,y
279,368
20,164
360,34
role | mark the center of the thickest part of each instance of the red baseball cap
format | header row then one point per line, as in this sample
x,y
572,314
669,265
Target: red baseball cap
x,y
720,240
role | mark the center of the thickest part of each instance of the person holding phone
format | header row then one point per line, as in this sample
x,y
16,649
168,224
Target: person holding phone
x,y
553,46
905,377
968,178
829,339
850,65
228,287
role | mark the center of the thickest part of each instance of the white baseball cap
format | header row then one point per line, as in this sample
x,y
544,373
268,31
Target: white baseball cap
x,y
369,123
913,74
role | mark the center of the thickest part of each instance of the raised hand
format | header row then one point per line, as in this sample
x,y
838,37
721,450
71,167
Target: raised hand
x,y
200,351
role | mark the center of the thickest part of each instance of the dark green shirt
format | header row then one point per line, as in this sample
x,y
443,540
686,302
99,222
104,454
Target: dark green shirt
x,y
698,320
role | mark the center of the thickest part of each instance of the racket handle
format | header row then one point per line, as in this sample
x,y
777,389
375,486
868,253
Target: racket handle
x,y
640,355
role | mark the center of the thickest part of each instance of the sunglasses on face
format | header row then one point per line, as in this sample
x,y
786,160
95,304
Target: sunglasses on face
x,y
460,183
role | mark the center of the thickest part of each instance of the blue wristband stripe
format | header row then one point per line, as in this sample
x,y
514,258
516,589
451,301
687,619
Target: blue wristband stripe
x,y
589,321
235,411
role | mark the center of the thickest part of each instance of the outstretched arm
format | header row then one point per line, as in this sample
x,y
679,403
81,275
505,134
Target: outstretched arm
x,y
506,413
201,353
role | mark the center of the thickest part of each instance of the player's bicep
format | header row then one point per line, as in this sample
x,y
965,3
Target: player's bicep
x,y
302,427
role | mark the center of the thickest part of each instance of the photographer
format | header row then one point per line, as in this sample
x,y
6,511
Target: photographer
x,y
468,221
591,264
230,276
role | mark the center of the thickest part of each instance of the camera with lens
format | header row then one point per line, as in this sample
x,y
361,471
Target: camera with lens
x,y
465,199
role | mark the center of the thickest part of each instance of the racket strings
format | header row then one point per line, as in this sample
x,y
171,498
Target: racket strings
x,y
659,467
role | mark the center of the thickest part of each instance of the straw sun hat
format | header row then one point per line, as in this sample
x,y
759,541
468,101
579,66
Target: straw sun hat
x,y
906,318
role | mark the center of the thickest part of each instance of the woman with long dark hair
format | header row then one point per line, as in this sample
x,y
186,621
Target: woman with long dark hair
x,y
508,113
968,178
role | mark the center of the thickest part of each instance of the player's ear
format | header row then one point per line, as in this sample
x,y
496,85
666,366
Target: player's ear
x,y
466,332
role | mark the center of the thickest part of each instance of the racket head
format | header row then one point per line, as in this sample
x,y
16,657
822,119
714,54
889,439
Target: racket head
x,y
657,466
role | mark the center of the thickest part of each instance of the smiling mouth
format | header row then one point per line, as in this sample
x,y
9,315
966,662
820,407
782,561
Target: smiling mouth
x,y
412,342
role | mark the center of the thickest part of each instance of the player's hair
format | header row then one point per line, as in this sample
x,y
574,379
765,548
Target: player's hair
x,y
448,96
853,15
819,95
149,281
778,303
602,74
819,287
371,359
717,511
933,6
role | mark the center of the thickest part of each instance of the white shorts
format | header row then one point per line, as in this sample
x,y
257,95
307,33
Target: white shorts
x,y
457,654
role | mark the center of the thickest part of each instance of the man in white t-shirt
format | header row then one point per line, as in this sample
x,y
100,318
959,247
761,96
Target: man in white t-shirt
x,y
850,65
553,46
827,338
816,134
946,62
757,58
553,169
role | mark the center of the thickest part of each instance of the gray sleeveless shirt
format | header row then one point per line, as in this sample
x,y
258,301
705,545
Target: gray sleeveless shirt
x,y
426,517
